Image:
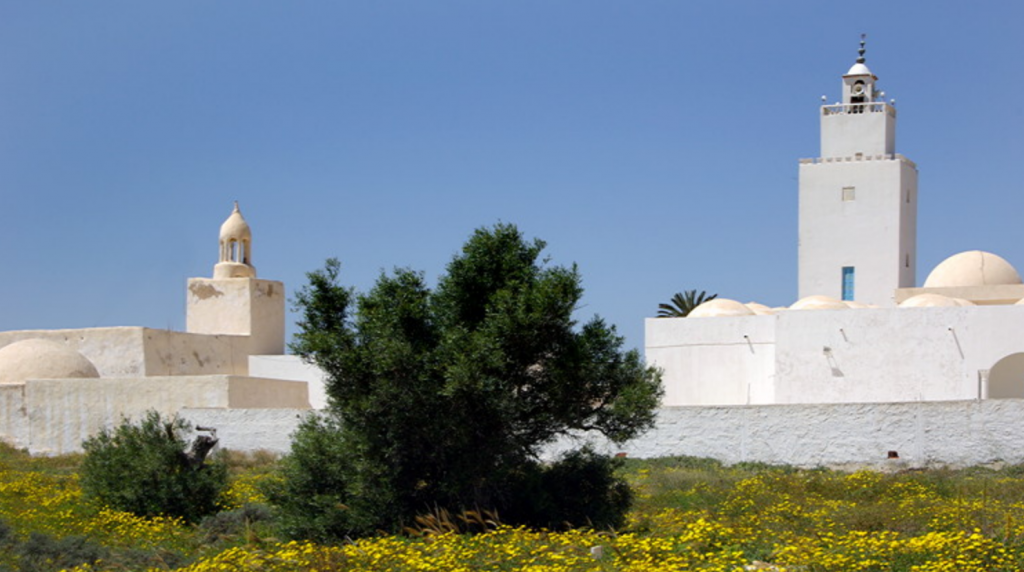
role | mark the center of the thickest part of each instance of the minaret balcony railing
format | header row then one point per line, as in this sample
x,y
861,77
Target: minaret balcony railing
x,y
858,108
858,157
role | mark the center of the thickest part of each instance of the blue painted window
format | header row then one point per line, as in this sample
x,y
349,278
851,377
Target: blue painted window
x,y
847,282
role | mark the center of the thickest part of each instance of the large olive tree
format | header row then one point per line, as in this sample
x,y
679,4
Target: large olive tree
x,y
445,397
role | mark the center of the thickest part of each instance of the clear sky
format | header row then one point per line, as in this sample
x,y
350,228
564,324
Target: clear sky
x,y
654,143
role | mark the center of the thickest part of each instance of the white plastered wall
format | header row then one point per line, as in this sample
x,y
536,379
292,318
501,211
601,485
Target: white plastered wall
x,y
180,353
847,436
713,360
239,306
61,413
13,428
898,354
116,352
834,356
292,367
871,132
875,232
135,351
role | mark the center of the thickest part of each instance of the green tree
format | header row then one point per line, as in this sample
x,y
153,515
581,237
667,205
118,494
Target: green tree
x,y
146,469
682,303
445,398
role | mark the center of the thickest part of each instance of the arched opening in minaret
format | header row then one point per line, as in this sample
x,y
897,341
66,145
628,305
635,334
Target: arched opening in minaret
x,y
858,96
234,250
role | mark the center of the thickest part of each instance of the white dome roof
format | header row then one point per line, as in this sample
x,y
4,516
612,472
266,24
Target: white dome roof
x,y
42,359
972,268
720,307
929,301
859,69
759,309
818,303
235,227
854,304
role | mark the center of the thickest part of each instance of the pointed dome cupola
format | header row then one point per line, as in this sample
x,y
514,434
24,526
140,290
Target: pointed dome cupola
x,y
235,248
859,82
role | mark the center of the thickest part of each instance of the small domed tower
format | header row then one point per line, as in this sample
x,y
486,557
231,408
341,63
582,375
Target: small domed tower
x,y
234,302
235,248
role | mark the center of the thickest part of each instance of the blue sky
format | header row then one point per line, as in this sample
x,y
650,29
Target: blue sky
x,y
654,143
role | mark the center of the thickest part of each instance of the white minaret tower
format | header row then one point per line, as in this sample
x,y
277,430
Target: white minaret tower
x,y
235,302
858,201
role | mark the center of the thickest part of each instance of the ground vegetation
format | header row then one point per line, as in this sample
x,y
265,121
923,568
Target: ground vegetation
x,y
689,514
148,468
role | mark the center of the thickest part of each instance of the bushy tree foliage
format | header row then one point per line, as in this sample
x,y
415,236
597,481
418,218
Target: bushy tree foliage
x,y
444,398
144,469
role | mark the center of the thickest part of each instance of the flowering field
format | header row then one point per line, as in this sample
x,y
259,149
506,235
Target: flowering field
x,y
691,514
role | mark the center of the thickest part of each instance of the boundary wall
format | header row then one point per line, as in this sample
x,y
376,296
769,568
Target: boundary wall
x,y
848,436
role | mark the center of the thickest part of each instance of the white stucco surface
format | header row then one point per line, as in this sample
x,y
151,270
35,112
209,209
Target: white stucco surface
x,y
874,232
952,433
116,352
249,429
13,415
134,351
291,367
239,306
54,416
869,129
836,356
955,433
714,360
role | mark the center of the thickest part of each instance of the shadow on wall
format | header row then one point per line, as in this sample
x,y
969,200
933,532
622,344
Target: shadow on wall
x,y
1006,378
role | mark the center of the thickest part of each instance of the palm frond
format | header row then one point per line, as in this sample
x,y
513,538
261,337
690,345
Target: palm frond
x,y
682,303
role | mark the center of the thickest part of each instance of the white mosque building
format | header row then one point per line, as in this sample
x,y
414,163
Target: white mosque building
x,y
58,387
860,331
864,366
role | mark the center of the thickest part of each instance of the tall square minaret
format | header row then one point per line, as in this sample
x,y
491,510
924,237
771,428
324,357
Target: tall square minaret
x,y
858,200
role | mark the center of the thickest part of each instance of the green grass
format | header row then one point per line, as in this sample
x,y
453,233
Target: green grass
x,y
825,520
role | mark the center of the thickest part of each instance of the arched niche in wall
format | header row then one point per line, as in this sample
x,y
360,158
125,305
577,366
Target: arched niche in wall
x,y
1006,378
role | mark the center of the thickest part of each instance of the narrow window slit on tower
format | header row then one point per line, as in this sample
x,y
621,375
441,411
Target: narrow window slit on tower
x,y
849,193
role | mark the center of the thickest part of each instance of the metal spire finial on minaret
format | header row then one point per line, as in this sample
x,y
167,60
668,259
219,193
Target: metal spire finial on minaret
x,y
861,51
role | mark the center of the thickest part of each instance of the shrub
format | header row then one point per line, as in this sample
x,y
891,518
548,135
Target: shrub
x,y
241,522
313,496
44,553
579,489
144,469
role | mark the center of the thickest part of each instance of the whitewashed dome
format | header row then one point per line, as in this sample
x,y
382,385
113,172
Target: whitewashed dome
x,y
42,359
759,309
859,68
720,307
972,268
929,300
855,304
235,227
818,303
